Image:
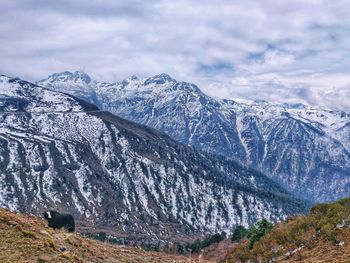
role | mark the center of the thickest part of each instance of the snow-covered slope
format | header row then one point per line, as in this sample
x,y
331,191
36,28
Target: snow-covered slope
x,y
57,151
305,149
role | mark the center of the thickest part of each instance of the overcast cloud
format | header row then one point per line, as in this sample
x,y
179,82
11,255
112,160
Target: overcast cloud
x,y
280,51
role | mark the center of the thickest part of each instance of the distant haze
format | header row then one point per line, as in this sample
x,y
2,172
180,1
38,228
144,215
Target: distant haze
x,y
279,51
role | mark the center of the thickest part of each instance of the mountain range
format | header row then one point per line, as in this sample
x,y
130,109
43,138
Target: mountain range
x,y
305,149
60,152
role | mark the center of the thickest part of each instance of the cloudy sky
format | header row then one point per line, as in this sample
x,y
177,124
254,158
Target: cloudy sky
x,y
280,51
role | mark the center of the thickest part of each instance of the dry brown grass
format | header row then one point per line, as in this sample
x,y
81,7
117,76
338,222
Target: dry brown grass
x,y
325,251
216,252
25,238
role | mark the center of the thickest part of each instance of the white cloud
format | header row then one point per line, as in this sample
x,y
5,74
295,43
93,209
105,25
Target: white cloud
x,y
243,44
270,87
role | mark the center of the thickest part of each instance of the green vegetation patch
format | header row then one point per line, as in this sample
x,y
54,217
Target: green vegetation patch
x,y
267,243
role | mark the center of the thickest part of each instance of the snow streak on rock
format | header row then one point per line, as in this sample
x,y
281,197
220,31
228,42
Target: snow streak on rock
x,y
57,151
305,149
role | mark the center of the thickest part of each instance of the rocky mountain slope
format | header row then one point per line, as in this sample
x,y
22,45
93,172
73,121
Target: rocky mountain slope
x,y
321,236
25,238
57,151
304,149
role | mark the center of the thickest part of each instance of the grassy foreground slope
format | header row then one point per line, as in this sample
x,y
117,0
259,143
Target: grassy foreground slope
x,y
321,236
25,238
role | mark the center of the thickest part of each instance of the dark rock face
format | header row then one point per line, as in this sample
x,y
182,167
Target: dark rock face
x,y
62,153
305,149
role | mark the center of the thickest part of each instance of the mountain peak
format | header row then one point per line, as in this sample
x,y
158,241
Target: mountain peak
x,y
82,75
20,95
132,78
67,75
293,105
3,77
159,79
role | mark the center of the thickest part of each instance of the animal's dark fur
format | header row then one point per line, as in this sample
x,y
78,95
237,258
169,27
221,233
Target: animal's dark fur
x,y
57,220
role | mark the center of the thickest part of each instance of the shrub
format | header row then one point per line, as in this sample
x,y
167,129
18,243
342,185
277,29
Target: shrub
x,y
258,231
200,244
238,233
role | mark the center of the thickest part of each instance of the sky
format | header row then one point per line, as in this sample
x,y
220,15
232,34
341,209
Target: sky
x,y
279,51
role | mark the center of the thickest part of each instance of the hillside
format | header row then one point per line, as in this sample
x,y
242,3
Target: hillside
x,y
25,238
216,252
305,149
321,236
58,152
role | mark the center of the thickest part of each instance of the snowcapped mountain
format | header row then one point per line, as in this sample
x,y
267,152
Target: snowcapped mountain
x,y
304,149
57,151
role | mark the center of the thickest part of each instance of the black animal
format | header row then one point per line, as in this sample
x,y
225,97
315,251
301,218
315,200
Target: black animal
x,y
58,220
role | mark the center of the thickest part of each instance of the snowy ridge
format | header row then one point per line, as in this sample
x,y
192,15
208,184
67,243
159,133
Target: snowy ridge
x,y
121,175
305,149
